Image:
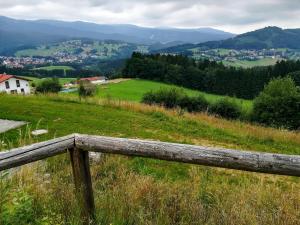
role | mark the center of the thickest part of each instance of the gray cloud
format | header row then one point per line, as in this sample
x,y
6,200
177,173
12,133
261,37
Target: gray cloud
x,y
234,16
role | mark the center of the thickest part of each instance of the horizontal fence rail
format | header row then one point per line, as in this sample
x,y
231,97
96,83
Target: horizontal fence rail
x,y
24,155
208,156
79,145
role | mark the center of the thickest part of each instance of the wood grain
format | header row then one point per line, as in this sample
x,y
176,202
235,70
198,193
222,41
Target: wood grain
x,y
217,157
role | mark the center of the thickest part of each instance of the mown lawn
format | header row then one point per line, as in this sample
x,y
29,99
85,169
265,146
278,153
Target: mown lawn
x,y
133,90
49,68
249,64
131,190
62,81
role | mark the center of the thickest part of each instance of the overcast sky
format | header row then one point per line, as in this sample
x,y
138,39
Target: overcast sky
x,y
234,16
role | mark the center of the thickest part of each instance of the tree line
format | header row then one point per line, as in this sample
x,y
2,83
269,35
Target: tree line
x,y
278,105
208,76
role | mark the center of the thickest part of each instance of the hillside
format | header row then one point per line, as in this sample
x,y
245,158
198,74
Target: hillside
x,y
134,89
266,38
82,49
134,186
17,34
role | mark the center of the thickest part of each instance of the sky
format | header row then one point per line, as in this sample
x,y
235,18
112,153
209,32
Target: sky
x,y
229,15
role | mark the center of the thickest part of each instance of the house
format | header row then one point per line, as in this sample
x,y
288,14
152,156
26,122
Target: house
x,y
12,84
94,80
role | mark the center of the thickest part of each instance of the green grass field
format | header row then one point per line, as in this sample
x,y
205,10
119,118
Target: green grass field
x,y
133,90
50,68
132,190
62,81
249,64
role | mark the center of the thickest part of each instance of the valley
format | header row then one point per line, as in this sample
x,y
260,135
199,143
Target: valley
x,y
191,85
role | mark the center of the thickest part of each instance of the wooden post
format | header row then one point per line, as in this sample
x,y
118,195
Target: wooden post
x,y
83,184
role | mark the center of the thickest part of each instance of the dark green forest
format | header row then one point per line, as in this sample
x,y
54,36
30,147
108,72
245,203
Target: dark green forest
x,y
208,76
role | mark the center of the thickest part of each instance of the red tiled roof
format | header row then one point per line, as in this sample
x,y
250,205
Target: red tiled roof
x,y
4,77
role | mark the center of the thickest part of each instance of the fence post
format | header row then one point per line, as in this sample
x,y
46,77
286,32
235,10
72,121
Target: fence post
x,y
83,184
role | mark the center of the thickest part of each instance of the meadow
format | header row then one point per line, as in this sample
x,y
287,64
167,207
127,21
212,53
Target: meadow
x,y
132,190
62,81
50,68
134,90
250,64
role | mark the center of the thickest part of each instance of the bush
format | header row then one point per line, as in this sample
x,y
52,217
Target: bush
x,y
194,104
226,108
50,85
169,98
278,104
86,89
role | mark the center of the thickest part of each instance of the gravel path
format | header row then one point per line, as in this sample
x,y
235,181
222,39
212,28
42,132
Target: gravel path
x,y
6,125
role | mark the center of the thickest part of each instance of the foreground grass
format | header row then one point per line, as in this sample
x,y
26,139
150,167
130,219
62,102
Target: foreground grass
x,y
144,191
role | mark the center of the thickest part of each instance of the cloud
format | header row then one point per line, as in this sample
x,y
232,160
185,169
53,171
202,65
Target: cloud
x,y
234,16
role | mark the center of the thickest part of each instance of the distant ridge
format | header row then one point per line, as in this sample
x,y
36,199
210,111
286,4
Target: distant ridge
x,y
266,38
16,34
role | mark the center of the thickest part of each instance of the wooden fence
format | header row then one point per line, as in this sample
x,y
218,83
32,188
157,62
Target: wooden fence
x,y
78,147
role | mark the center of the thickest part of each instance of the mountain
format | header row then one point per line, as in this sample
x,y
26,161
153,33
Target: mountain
x,y
15,34
266,38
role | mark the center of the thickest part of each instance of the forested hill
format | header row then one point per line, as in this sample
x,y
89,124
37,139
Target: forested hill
x,y
207,75
16,34
266,38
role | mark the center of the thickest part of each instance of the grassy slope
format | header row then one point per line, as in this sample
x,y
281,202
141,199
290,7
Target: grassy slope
x,y
49,68
66,115
62,81
249,64
133,90
131,186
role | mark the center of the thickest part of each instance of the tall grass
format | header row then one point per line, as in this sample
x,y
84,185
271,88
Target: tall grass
x,y
132,190
43,193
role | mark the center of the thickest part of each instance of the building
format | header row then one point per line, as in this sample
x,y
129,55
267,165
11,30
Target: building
x,y
12,84
94,80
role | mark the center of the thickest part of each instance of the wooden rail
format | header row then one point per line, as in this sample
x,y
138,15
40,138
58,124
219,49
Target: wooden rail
x,y
79,146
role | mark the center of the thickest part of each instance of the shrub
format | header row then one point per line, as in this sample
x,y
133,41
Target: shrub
x,y
194,104
50,85
226,108
169,98
278,104
86,89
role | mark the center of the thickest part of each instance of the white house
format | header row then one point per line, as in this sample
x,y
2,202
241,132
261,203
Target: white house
x,y
12,84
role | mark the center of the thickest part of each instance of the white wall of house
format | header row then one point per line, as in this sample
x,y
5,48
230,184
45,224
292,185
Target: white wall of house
x,y
13,88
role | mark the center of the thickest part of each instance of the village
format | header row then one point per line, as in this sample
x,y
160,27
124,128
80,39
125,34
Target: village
x,y
232,55
21,62
72,51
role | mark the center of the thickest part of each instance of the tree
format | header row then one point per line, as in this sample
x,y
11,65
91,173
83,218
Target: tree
x,y
86,89
278,104
49,85
226,108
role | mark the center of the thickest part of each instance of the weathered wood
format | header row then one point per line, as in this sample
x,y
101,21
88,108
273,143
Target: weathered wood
x,y
23,155
225,158
83,184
